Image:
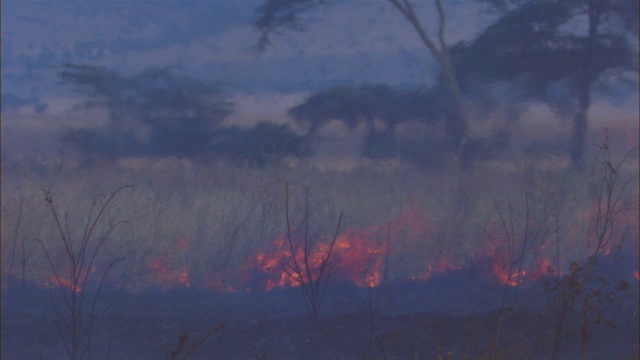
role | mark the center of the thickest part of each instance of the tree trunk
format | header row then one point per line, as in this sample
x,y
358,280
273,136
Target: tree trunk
x,y
584,99
457,125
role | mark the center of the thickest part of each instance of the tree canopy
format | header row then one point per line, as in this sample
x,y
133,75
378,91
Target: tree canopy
x,y
533,48
152,112
158,113
265,143
555,51
364,105
275,15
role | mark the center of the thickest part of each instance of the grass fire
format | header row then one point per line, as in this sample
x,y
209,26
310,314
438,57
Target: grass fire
x,y
498,249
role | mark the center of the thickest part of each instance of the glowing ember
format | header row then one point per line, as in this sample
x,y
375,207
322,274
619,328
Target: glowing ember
x,y
64,283
543,268
513,278
217,281
166,276
435,267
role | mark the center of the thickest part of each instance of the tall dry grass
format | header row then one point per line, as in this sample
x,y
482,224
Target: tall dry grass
x,y
207,219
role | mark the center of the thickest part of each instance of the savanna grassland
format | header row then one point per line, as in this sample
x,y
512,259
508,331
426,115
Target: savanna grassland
x,y
198,234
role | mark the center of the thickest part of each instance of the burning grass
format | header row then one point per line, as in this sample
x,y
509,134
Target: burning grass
x,y
216,229
223,227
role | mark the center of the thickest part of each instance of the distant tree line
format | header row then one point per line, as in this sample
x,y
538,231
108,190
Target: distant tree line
x,y
158,113
381,109
556,52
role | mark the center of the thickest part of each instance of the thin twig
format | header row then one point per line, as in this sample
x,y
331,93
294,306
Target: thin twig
x,y
15,242
201,341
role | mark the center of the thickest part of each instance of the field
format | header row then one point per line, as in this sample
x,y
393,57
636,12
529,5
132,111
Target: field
x,y
501,261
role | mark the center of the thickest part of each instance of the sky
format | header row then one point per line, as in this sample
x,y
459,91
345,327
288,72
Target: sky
x,y
352,42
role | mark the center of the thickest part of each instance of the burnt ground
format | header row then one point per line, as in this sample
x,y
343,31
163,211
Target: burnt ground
x,y
452,316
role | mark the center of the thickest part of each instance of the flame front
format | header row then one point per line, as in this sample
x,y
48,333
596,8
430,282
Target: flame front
x,y
355,258
408,246
358,255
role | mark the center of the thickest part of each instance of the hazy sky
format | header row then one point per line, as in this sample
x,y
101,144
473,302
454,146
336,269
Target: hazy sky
x,y
353,43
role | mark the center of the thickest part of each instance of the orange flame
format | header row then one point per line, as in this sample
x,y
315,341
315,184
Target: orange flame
x,y
513,278
357,257
354,258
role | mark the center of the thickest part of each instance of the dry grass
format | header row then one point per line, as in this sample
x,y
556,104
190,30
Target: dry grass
x,y
227,213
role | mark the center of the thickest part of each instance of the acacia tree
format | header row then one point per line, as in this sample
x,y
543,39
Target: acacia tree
x,y
265,143
599,13
570,61
274,15
366,105
154,112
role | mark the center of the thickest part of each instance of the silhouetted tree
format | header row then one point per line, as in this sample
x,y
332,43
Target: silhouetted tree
x,y
11,102
380,108
260,145
320,108
534,46
274,15
153,112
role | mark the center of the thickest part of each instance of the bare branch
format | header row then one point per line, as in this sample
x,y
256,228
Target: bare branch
x,y
55,273
201,341
312,283
76,332
15,242
442,20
